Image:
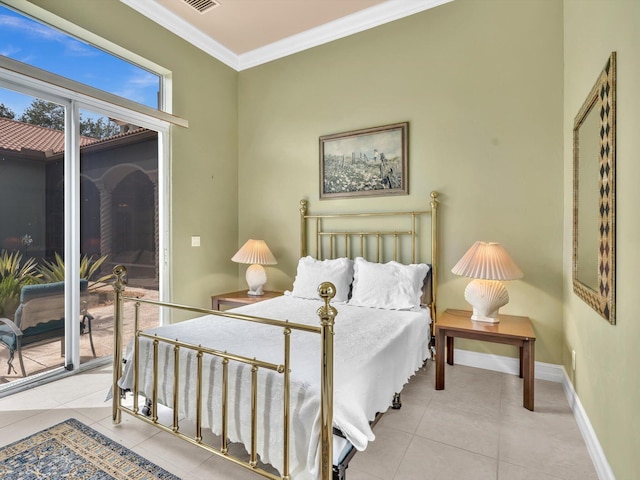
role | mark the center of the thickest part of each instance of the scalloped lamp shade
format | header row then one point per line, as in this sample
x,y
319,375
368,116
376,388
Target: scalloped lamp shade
x,y
489,264
255,253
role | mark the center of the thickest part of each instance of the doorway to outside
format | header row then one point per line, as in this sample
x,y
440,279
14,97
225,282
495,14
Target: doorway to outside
x,y
118,224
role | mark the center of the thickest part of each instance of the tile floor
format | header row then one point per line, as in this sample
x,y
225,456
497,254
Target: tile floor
x,y
476,429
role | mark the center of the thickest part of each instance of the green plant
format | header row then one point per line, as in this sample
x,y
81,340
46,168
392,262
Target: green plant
x,y
54,271
14,274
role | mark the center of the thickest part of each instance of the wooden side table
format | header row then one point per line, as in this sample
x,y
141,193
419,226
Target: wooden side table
x,y
238,299
511,330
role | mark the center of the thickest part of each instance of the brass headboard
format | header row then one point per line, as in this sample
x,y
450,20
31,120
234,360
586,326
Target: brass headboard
x,y
344,234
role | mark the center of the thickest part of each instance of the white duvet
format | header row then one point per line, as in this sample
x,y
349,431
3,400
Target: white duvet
x,y
375,353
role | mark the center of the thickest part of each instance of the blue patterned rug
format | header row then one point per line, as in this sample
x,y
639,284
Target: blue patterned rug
x,y
72,450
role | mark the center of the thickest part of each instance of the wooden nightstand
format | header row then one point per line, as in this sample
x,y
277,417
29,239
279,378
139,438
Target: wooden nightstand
x,y
512,330
238,299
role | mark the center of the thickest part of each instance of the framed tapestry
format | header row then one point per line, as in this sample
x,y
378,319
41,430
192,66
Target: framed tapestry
x,y
367,162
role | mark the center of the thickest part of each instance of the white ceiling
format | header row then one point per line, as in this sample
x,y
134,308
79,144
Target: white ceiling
x,y
246,33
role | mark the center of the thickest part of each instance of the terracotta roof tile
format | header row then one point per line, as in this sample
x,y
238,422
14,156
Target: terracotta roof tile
x,y
16,136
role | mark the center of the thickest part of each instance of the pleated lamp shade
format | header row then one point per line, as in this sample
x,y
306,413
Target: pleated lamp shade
x,y
487,260
489,264
255,253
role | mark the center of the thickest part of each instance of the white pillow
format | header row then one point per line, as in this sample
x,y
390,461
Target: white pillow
x,y
391,285
311,273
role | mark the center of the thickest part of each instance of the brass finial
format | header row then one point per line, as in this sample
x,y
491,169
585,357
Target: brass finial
x,y
327,313
120,272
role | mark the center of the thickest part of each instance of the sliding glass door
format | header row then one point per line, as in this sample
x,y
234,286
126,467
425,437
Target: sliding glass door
x,y
79,193
32,235
119,212
83,153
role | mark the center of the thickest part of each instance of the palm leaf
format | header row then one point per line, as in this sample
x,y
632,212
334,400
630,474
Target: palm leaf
x,y
14,274
54,271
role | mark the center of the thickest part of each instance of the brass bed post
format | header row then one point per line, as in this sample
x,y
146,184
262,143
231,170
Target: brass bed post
x,y
118,289
303,228
327,315
434,257
176,386
286,413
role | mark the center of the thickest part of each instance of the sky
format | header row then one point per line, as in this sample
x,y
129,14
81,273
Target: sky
x,y
39,45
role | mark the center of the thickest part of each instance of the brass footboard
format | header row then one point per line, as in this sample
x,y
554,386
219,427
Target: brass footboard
x,y
327,316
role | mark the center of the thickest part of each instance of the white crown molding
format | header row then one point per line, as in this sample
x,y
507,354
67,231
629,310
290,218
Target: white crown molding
x,y
169,20
357,22
553,373
342,27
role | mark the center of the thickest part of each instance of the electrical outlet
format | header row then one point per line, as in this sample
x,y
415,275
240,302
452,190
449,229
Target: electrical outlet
x,y
195,241
573,360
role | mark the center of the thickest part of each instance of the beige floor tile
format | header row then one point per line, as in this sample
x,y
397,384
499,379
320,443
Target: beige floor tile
x,y
130,432
173,451
353,474
436,434
162,462
547,394
420,387
96,414
20,406
427,459
217,468
383,456
473,431
472,399
406,418
546,441
35,423
507,471
28,400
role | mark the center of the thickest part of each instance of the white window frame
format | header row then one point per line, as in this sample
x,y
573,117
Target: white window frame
x,y
73,101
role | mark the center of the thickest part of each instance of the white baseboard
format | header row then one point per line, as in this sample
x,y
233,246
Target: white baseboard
x,y
499,363
598,457
553,373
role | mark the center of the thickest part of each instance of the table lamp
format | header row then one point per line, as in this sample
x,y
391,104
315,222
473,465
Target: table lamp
x,y
488,264
255,253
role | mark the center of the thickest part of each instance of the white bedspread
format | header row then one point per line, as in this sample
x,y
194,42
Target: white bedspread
x,y
375,353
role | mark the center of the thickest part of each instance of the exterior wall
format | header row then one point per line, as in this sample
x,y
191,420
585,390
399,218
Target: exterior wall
x,y
204,176
480,83
24,179
606,377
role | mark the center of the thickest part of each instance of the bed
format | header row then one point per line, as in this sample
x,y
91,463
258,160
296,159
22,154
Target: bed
x,y
298,380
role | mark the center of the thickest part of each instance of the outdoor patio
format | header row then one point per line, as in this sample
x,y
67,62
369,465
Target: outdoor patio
x,y
40,358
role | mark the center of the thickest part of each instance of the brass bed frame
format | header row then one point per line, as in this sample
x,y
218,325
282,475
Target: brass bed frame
x,y
324,238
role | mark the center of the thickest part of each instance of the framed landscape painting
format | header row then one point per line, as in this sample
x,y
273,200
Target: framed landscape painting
x,y
368,162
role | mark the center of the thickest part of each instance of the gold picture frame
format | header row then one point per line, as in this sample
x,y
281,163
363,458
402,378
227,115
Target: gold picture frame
x,y
362,163
594,195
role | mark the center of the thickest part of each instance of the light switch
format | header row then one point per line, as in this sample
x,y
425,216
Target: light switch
x,y
195,241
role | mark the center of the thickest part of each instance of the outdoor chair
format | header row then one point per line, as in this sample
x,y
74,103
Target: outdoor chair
x,y
40,319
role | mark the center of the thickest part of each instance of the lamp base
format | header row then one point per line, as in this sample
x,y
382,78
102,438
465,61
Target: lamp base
x,y
256,277
486,297
476,317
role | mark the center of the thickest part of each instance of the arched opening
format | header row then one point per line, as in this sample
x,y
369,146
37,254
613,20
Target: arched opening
x,y
89,218
133,214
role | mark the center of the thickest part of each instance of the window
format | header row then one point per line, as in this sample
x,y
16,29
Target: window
x,y
42,46
99,197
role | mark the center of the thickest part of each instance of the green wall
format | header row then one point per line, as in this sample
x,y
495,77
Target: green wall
x,y
204,172
480,83
606,377
490,94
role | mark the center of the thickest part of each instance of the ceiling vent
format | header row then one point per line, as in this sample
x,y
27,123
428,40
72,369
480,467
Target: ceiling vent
x,y
202,6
